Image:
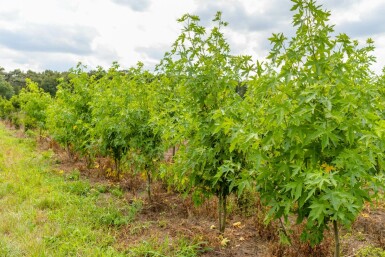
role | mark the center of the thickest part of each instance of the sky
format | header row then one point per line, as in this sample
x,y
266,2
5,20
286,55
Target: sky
x,y
57,34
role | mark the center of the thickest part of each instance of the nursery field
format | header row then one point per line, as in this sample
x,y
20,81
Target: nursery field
x,y
209,154
54,206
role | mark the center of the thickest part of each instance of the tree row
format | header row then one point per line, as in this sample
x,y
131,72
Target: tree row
x,y
303,128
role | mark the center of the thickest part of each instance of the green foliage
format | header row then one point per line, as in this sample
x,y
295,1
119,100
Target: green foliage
x,y
204,78
49,80
69,117
121,111
6,90
306,126
145,140
33,104
79,187
6,109
15,80
114,217
370,251
109,100
320,126
47,203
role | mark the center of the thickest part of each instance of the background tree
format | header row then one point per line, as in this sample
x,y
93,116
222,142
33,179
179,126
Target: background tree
x,y
50,80
17,79
6,90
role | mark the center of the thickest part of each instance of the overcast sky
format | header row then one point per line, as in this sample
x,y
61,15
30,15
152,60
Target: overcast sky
x,y
57,34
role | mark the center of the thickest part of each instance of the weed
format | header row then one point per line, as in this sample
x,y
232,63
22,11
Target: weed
x,y
162,223
370,251
6,188
30,133
74,175
360,236
101,188
117,191
135,208
139,228
46,203
115,217
48,155
81,188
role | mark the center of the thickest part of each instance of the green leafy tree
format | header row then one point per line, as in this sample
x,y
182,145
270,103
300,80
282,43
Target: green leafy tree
x,y
61,119
6,90
17,79
6,109
204,77
33,105
50,80
121,111
69,118
317,110
146,144
110,98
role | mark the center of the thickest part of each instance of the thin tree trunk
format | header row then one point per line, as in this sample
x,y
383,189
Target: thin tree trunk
x,y
117,168
222,212
336,239
220,205
149,185
284,230
68,150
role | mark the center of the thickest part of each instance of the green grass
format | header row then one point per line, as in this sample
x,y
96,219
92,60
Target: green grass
x,y
47,214
371,251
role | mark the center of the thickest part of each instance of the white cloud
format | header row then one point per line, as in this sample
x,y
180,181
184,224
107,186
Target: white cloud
x,y
53,34
135,5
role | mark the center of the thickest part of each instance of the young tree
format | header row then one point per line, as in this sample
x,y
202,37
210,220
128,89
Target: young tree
x,y
320,125
33,105
109,103
6,108
121,111
69,118
145,139
204,78
61,119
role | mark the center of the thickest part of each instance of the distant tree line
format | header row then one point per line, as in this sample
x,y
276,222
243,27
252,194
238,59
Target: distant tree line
x,y
13,81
